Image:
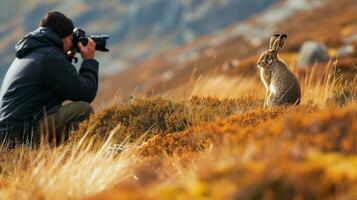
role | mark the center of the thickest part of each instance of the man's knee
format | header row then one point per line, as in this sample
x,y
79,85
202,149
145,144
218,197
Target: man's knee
x,y
84,108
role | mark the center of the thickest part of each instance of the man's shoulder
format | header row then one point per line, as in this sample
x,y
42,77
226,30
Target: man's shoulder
x,y
44,52
51,52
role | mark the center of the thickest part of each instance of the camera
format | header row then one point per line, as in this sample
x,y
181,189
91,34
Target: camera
x,y
80,36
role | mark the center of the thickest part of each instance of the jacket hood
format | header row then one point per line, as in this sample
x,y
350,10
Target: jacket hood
x,y
39,38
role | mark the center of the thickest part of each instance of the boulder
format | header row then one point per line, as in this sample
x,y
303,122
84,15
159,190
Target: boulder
x,y
346,50
312,52
230,65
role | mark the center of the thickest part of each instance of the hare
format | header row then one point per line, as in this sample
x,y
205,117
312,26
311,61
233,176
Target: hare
x,y
283,88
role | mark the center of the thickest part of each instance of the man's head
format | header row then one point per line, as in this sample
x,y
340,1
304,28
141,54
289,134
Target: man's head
x,y
61,25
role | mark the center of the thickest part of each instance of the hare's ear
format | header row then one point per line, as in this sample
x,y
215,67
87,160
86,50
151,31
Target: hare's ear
x,y
272,40
279,43
282,41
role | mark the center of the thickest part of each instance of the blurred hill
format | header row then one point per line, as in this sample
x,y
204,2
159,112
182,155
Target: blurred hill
x,y
234,50
158,45
138,28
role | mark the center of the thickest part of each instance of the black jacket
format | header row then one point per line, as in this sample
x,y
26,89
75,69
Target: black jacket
x,y
41,78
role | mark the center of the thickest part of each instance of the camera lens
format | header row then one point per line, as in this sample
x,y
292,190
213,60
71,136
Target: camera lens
x,y
80,36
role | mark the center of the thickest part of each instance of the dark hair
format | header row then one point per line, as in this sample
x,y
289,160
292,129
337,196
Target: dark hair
x,y
58,22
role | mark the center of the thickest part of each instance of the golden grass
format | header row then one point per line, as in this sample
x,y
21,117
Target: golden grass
x,y
301,152
190,146
69,171
320,84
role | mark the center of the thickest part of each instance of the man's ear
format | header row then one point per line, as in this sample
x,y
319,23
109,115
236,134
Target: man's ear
x,y
63,44
67,43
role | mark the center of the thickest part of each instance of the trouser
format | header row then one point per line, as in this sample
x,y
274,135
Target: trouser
x,y
55,127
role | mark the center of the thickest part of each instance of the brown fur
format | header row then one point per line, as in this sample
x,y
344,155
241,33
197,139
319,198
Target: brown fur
x,y
283,88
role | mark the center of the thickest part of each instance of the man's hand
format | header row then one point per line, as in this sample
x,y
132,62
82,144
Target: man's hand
x,y
87,52
71,55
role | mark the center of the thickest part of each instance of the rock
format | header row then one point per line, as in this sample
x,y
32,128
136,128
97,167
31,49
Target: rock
x,y
312,52
346,50
230,65
167,75
350,39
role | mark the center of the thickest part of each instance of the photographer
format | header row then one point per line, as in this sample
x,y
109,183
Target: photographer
x,y
40,79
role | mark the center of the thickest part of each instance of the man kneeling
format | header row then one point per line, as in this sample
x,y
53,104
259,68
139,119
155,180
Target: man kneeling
x,y
40,79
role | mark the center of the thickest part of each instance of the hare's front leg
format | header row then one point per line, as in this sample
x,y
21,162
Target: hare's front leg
x,y
265,78
266,102
269,99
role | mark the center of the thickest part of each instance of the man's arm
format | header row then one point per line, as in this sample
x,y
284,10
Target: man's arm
x,y
63,78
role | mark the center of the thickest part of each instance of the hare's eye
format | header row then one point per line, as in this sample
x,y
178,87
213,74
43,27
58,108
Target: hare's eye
x,y
268,57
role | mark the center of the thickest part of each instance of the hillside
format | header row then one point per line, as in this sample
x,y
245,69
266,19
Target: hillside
x,y
303,152
201,147
198,148
233,52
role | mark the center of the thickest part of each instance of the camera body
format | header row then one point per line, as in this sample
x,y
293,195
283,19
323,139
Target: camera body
x,y
80,36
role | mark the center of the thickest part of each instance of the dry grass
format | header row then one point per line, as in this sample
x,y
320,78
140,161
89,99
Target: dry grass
x,y
157,115
218,147
301,152
69,171
321,84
